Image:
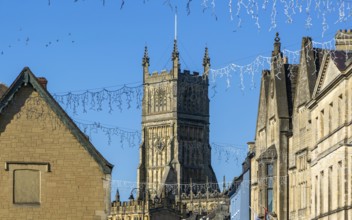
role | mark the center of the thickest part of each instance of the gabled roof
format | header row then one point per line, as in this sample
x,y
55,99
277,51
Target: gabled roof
x,y
334,64
282,87
310,60
340,59
27,77
262,104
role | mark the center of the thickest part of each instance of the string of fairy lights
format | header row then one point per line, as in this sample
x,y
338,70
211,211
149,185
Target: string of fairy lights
x,y
126,96
107,99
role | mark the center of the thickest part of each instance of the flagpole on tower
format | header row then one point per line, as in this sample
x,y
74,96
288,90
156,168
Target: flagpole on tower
x,y
175,23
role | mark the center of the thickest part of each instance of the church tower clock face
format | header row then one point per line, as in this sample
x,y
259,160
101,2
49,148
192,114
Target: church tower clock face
x,y
159,143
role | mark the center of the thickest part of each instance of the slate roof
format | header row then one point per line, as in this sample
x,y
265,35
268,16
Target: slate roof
x,y
340,58
27,77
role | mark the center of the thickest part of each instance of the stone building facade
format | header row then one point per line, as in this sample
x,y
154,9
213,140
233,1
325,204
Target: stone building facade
x,y
50,169
175,154
302,165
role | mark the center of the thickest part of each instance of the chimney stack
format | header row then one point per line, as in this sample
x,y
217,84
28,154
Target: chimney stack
x,y
3,89
43,82
343,40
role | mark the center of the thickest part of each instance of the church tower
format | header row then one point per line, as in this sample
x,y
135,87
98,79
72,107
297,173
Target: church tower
x,y
175,128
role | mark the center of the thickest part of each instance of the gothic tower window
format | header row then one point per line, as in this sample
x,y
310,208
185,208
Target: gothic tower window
x,y
330,116
316,196
316,129
339,188
339,113
321,192
301,118
322,123
329,188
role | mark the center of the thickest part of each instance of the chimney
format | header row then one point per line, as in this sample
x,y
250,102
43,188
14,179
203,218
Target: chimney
x,y
285,60
43,82
3,89
251,146
343,40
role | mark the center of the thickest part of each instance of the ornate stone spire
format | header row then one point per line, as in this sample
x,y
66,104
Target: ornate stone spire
x,y
175,60
145,63
277,45
206,62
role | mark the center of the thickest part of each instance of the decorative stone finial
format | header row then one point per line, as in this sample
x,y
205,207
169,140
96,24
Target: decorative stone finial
x,y
277,45
277,39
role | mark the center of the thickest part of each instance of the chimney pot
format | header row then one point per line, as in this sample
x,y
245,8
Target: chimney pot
x,y
43,82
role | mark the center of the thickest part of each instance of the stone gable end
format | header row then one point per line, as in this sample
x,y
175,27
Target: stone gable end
x,y
71,183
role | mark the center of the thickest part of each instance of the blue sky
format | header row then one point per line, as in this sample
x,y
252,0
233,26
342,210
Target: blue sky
x,y
87,45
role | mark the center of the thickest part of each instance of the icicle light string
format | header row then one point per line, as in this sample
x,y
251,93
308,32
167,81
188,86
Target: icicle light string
x,y
96,100
290,8
132,138
262,62
199,188
123,185
36,109
126,95
229,152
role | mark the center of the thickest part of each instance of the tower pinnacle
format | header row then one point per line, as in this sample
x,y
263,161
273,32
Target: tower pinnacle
x,y
145,63
206,62
175,60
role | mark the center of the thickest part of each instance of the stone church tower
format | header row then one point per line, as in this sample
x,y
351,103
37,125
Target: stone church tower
x,y
175,146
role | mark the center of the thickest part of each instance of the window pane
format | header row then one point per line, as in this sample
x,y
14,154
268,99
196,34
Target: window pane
x,y
270,182
270,200
270,170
